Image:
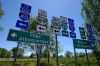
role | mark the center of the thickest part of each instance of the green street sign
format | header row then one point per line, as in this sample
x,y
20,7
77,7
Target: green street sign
x,y
21,36
65,33
82,44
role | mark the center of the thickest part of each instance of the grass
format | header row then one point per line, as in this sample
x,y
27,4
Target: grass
x,y
68,61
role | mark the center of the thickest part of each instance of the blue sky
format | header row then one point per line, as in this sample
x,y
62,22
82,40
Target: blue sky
x,y
67,8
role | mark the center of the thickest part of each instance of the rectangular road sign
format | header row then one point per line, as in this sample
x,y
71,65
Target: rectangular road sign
x,y
41,28
56,31
82,33
65,33
82,44
21,24
16,35
72,35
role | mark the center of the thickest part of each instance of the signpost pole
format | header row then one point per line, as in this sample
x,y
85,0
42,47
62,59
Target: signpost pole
x,y
96,54
56,50
87,57
15,56
75,56
38,58
48,54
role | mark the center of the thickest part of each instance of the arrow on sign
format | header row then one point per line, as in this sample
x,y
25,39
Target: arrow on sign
x,y
21,24
41,28
13,35
16,35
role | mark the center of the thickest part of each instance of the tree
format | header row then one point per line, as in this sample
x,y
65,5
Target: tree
x,y
32,55
81,54
91,15
20,52
1,11
68,53
4,53
1,14
33,28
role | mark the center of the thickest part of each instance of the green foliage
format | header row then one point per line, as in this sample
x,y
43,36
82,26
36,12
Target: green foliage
x,y
1,11
68,54
45,63
1,14
91,14
20,52
33,24
4,53
32,55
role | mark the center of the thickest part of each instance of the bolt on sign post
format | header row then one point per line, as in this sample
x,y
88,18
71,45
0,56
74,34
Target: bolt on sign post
x,y
91,38
83,36
55,23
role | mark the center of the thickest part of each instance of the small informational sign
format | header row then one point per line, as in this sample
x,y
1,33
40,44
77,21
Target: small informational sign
x,y
90,33
56,31
21,24
82,33
63,21
65,33
41,28
82,44
71,26
72,35
56,25
16,35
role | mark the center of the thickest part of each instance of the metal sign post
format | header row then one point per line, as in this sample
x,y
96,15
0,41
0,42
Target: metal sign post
x,y
75,55
57,51
87,57
56,30
38,56
15,56
48,54
83,36
24,16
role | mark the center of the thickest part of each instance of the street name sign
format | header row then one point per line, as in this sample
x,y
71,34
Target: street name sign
x,y
21,36
82,44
